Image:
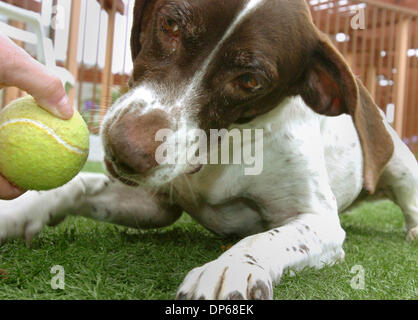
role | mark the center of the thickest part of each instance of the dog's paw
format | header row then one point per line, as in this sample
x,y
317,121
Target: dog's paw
x,y
412,234
18,219
226,279
93,184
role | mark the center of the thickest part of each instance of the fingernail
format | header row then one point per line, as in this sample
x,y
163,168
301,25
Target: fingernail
x,y
64,108
16,192
15,188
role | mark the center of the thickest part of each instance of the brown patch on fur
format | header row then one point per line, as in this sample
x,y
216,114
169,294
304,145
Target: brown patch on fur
x,y
248,285
304,248
260,291
235,296
251,258
136,28
221,283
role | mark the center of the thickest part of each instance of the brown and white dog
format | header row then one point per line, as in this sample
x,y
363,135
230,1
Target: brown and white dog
x,y
237,64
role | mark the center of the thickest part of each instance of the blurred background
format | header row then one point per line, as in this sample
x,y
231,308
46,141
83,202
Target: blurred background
x,y
87,42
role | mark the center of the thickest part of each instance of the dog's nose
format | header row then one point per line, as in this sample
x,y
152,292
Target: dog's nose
x,y
131,141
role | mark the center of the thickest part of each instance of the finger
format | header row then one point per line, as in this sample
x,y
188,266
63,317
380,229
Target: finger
x,y
19,69
8,191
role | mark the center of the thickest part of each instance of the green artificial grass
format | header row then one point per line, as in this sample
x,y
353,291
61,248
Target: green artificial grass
x,y
95,167
104,261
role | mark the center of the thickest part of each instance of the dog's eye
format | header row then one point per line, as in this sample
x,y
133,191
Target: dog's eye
x,y
170,27
250,82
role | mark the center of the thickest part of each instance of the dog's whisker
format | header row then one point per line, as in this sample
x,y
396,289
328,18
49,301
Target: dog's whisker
x,y
195,200
155,191
171,192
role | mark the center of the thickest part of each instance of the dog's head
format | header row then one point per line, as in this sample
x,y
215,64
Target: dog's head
x,y
208,64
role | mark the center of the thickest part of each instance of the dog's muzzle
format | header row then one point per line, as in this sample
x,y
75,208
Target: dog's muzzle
x,y
131,145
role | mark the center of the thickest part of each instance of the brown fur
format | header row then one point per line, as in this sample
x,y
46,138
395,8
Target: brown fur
x,y
280,44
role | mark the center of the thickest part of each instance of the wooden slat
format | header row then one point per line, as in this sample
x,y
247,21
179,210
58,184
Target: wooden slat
x,y
106,89
335,28
96,68
395,4
72,62
412,124
402,46
390,55
83,52
371,72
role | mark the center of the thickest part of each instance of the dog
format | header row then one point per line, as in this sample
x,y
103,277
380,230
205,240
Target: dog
x,y
237,64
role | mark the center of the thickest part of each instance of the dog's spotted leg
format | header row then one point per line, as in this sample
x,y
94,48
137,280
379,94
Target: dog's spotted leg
x,y
250,268
131,207
26,216
400,179
89,195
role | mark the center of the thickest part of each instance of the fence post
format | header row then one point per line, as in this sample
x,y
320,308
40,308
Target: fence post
x,y
371,81
72,63
107,79
12,93
401,74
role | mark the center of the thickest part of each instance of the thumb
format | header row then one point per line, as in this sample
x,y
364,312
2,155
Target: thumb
x,y
19,69
50,94
8,191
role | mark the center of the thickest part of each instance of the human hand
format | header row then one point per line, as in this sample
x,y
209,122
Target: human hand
x,y
19,69
8,191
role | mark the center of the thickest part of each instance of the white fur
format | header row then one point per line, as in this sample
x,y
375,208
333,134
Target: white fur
x,y
312,171
288,215
199,76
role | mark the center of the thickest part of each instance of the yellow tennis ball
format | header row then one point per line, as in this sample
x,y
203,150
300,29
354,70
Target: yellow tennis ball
x,y
37,150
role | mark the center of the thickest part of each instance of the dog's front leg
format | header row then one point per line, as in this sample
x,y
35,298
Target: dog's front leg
x,y
27,215
89,195
250,268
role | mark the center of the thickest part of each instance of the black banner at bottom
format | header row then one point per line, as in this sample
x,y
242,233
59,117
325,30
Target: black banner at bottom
x,y
213,310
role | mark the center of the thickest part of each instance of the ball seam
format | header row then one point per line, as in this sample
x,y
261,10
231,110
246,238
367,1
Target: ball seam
x,y
48,130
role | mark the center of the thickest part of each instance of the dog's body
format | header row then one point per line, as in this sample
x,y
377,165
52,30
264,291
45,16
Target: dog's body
x,y
315,166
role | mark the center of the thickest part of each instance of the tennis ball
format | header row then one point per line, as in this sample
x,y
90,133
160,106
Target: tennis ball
x,y
37,150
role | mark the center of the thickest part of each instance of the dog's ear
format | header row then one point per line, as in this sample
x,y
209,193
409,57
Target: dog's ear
x,y
139,11
378,146
330,88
